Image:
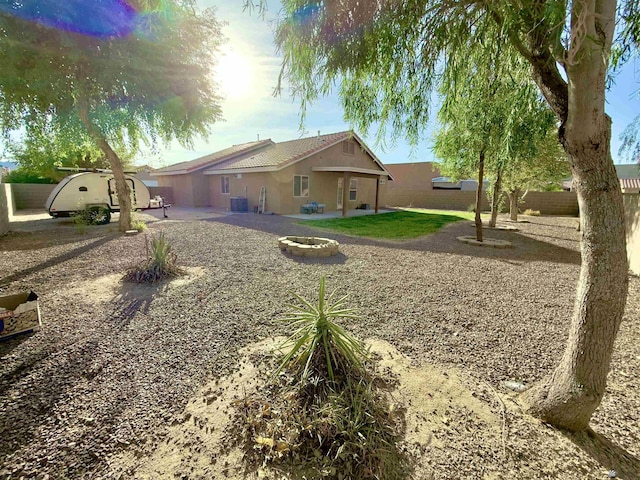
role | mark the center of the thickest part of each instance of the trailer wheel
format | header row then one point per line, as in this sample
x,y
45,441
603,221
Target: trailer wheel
x,y
99,215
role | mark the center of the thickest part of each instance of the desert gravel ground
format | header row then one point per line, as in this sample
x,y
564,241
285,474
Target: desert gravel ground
x,y
115,365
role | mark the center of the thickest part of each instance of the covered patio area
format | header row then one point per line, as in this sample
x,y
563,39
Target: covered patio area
x,y
337,214
349,172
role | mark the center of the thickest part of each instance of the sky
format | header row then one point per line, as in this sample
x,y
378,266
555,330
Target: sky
x,y
248,73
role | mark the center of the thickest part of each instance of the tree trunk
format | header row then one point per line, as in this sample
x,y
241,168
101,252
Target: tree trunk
x,y
513,195
122,189
570,395
495,198
479,197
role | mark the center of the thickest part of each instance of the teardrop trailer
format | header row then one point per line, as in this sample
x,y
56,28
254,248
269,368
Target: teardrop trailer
x,y
94,192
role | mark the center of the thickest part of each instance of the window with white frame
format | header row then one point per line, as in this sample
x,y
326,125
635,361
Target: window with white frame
x,y
348,147
224,184
353,188
300,185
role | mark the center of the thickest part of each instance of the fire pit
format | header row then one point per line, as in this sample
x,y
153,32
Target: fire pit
x,y
308,246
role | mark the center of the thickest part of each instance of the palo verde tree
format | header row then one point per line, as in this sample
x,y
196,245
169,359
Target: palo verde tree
x,y
386,56
125,72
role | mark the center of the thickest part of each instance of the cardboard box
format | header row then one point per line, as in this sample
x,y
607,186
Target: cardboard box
x,y
19,313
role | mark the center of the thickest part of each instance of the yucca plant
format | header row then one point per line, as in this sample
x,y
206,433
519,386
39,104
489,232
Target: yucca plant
x,y
318,337
160,262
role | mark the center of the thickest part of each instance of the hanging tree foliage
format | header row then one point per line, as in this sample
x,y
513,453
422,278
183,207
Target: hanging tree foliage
x,y
122,72
387,57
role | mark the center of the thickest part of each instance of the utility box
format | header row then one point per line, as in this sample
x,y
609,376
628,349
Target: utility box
x,y
19,313
239,204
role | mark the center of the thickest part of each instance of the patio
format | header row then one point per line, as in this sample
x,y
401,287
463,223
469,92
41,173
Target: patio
x,y
336,214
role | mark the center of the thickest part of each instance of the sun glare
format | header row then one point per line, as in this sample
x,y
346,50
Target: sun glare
x,y
234,75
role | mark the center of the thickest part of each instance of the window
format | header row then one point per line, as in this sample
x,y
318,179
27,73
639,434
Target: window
x,y
353,188
300,186
348,147
224,184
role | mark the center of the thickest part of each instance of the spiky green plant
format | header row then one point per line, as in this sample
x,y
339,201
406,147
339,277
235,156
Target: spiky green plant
x,y
317,336
160,262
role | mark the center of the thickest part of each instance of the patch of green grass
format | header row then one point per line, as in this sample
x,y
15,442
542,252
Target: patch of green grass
x,y
409,223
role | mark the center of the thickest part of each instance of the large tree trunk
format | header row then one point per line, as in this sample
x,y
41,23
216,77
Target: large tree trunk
x,y
479,198
569,396
122,188
514,196
495,198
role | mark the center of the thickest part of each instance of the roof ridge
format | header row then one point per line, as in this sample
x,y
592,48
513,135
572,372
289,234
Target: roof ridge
x,y
311,137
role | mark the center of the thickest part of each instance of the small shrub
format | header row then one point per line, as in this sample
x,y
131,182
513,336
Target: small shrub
x,y
159,264
137,224
92,216
471,208
532,213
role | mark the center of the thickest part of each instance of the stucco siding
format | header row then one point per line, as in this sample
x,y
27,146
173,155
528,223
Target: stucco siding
x,y
201,193
181,187
245,185
632,217
323,186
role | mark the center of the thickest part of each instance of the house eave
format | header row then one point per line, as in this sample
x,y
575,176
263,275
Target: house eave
x,y
231,171
347,169
172,172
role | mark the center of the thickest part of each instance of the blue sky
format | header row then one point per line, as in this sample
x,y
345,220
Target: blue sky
x,y
248,73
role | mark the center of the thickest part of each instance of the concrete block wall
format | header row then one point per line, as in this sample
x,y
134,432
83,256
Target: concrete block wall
x,y
548,203
31,195
552,203
6,207
632,222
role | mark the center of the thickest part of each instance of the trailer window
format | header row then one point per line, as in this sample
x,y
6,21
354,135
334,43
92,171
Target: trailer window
x,y
83,189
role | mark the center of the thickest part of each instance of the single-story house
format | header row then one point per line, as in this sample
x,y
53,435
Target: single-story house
x,y
336,170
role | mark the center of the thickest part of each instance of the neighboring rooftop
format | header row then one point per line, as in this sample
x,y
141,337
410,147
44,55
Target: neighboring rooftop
x,y
628,171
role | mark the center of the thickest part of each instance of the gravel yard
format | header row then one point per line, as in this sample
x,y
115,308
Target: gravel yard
x,y
116,364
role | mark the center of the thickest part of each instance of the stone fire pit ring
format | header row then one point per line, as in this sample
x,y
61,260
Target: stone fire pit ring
x,y
308,246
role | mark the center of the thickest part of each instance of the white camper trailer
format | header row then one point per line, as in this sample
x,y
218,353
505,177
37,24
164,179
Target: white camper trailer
x,y
96,192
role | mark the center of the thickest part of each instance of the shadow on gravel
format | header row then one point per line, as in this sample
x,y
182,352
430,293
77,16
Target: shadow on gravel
x,y
131,299
526,248
22,240
42,381
57,260
607,453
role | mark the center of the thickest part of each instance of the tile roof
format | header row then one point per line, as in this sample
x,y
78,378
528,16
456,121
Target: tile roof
x,y
280,154
212,158
630,183
262,154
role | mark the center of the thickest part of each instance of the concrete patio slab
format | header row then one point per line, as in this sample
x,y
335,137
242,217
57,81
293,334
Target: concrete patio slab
x,y
336,214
